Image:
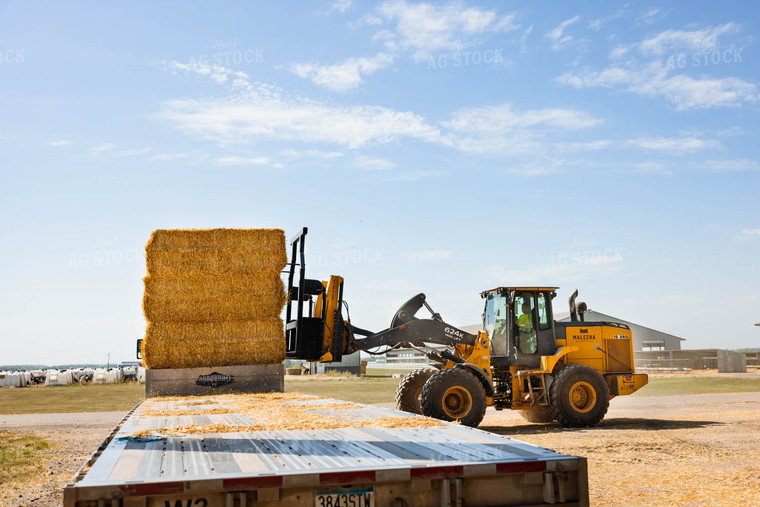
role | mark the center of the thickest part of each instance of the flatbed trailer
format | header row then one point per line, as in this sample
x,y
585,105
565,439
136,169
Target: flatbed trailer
x,y
361,465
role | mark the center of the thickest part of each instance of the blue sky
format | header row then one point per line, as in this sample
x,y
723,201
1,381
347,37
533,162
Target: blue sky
x,y
442,148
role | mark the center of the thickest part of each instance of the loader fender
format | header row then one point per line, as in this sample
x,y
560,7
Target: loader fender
x,y
480,375
549,363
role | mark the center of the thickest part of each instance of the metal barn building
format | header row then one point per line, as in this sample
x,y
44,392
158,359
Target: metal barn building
x,y
644,338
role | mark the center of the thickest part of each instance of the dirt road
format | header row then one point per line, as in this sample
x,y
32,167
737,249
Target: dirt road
x,y
674,450
671,450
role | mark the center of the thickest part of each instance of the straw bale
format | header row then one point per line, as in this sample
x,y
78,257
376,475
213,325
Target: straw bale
x,y
213,297
234,307
190,345
217,331
214,262
263,284
272,240
191,252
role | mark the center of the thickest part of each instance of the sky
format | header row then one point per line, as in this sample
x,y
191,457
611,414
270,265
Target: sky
x,y
443,148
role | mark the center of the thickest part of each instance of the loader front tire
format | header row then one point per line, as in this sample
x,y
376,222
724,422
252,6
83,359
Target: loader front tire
x,y
537,415
410,388
579,396
454,395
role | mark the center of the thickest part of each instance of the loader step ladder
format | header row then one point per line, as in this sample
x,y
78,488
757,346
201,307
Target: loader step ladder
x,y
536,394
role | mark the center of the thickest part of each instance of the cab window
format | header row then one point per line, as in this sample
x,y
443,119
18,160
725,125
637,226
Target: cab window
x,y
489,314
495,323
524,311
543,313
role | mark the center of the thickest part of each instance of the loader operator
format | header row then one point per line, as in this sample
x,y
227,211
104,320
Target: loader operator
x,y
527,335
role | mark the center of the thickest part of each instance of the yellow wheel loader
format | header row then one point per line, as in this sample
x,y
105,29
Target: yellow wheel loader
x,y
522,359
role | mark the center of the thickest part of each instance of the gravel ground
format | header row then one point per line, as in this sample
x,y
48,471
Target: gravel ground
x,y
675,450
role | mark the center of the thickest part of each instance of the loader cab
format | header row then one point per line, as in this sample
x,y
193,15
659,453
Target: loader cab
x,y
520,324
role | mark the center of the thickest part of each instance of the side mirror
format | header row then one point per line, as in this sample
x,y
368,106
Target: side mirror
x,y
139,348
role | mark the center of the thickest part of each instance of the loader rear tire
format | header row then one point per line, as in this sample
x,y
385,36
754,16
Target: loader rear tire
x,y
579,396
454,395
410,388
537,415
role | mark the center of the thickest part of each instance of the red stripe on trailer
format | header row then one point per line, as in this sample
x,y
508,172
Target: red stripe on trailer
x,y
436,472
153,488
347,477
267,481
516,468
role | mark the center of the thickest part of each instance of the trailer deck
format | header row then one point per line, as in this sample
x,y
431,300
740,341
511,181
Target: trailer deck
x,y
147,460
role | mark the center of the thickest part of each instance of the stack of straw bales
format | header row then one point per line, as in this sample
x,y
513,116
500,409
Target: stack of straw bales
x,y
213,297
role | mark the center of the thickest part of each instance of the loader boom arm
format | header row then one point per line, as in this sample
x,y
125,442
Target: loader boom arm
x,y
315,329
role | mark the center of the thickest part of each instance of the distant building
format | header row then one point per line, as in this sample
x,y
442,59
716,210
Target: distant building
x,y
644,338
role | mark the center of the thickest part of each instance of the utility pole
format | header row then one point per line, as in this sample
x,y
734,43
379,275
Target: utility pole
x,y
109,361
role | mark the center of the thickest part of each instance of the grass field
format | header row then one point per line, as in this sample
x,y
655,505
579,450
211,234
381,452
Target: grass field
x,y
376,387
366,390
670,386
74,398
20,456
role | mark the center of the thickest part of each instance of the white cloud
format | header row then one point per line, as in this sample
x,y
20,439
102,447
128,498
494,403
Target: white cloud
x,y
653,80
596,24
98,151
598,144
524,39
218,73
60,143
736,165
254,112
339,6
259,111
503,117
374,164
417,30
234,160
751,233
424,29
650,16
559,38
674,144
661,77
619,52
323,155
342,76
697,40
501,129
135,152
426,255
